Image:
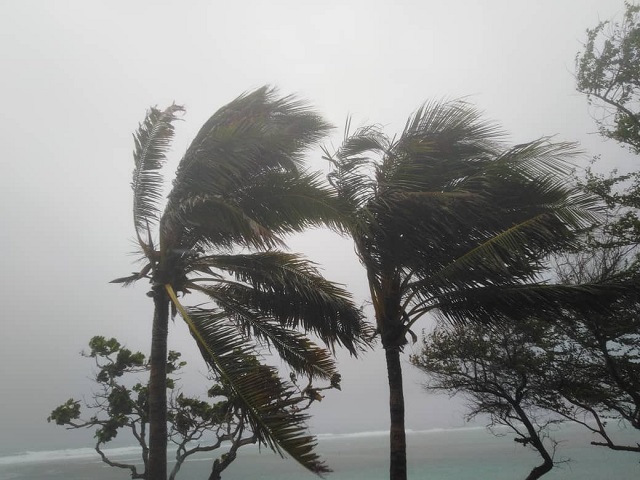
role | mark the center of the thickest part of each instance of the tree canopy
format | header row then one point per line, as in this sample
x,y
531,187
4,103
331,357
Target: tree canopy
x,y
239,188
119,406
607,72
447,219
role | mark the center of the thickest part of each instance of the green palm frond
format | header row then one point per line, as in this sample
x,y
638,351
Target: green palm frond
x,y
538,158
253,134
241,147
294,348
352,165
212,221
290,289
450,123
496,304
291,201
268,401
152,141
258,213
442,142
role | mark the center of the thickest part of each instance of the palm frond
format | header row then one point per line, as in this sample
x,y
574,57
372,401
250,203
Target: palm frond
x,y
212,221
294,348
291,202
442,142
353,165
449,123
152,141
290,289
268,401
496,304
256,133
539,158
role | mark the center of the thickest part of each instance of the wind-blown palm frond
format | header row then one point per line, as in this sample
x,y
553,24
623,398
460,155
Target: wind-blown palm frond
x,y
152,141
454,122
256,139
496,304
538,158
267,399
289,289
291,201
259,213
351,168
294,348
255,133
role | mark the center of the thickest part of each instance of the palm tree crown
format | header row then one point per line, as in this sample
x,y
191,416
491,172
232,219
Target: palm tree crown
x,y
445,219
240,185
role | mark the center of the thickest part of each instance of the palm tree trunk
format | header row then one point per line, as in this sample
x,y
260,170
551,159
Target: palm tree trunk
x,y
157,465
398,441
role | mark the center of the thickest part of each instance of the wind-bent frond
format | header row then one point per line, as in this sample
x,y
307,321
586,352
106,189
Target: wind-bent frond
x,y
496,304
352,167
206,222
294,348
539,158
255,134
247,142
291,201
449,124
258,213
152,141
269,402
289,288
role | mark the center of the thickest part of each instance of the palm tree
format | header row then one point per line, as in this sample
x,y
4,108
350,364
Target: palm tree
x,y
240,184
445,220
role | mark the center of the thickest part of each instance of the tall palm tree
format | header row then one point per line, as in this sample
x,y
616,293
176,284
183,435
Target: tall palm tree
x,y
446,220
240,184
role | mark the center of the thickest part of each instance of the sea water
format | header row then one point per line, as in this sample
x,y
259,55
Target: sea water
x,y
457,454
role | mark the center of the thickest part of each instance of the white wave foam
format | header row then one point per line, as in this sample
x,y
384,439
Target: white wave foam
x,y
69,454
380,433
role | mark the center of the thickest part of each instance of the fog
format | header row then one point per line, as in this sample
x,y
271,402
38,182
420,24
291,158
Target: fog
x,y
77,77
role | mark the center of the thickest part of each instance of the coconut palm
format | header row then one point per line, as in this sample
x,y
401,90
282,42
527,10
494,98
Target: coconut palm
x,y
446,220
240,185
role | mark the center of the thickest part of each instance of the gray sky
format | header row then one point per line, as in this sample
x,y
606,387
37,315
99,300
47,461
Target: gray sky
x,y
77,77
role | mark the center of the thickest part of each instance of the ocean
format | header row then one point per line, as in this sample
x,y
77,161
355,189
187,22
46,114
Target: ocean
x,y
454,454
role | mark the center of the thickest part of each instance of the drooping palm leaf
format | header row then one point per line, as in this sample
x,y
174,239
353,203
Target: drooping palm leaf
x,y
257,388
495,304
289,289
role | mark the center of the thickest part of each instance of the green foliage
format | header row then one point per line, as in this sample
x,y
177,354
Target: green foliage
x,y
601,345
502,372
118,407
241,185
621,194
579,366
608,72
448,220
498,368
66,413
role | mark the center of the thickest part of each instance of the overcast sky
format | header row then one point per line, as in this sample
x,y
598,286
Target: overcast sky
x,y
77,77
